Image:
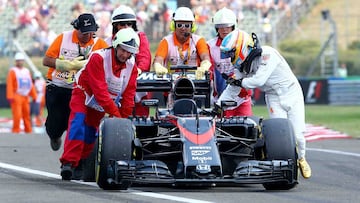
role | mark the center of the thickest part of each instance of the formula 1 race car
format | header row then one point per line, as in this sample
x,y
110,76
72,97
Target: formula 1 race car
x,y
185,144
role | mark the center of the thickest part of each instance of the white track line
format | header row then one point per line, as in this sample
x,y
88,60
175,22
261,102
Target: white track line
x,y
140,193
334,152
135,192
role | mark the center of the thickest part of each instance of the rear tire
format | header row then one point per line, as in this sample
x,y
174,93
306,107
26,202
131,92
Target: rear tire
x,y
115,142
280,144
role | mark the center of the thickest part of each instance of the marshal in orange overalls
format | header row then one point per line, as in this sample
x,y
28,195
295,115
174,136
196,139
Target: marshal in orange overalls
x,y
19,87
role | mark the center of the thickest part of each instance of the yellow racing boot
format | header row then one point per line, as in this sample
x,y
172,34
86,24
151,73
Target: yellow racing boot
x,y
304,168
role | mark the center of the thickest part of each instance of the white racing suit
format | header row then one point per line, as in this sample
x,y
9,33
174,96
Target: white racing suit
x,y
283,94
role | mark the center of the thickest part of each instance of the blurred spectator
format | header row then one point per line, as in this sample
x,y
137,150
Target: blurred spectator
x,y
342,71
166,16
102,11
3,4
264,6
283,5
43,39
156,26
153,7
19,87
26,18
46,10
267,29
142,18
202,12
37,106
237,8
103,5
105,28
77,9
90,2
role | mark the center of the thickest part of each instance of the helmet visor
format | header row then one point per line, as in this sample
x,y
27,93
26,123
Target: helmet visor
x,y
130,49
228,54
130,46
124,17
224,25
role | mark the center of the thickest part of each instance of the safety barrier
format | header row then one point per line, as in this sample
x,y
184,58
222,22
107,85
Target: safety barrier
x,y
332,91
344,92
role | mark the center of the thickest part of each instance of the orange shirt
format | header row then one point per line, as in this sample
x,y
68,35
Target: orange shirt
x,y
163,48
54,49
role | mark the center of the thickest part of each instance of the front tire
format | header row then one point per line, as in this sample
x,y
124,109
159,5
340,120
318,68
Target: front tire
x,y
280,144
115,142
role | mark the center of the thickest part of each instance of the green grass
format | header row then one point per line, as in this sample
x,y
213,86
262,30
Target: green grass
x,y
341,118
344,13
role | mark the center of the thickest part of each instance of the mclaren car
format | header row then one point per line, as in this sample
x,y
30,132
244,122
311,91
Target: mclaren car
x,y
184,143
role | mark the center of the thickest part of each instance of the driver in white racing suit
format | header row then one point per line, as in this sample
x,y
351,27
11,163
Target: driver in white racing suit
x,y
264,68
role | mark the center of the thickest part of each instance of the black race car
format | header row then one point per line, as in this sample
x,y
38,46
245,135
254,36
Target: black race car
x,y
186,144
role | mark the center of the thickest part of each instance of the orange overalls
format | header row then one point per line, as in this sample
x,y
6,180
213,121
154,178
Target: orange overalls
x,y
19,87
40,86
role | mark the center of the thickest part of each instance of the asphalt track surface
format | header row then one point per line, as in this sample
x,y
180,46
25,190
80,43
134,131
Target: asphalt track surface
x,y
29,172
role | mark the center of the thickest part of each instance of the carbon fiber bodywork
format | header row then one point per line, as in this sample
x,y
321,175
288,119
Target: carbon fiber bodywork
x,y
186,145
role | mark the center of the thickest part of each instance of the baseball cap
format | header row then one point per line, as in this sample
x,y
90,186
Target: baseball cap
x,y
86,23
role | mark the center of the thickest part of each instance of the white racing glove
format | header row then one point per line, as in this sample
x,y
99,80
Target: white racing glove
x,y
160,70
66,65
229,94
204,67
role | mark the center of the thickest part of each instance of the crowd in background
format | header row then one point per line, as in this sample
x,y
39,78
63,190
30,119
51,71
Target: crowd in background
x,y
153,15
34,17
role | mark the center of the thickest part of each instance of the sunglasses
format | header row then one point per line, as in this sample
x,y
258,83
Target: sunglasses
x,y
125,23
183,25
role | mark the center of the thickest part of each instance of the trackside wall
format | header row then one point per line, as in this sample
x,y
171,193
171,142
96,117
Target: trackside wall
x,y
332,91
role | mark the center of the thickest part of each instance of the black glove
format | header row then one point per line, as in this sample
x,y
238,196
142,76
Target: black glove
x,y
216,110
225,76
232,81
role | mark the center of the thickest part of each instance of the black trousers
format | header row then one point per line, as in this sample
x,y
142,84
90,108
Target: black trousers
x,y
57,104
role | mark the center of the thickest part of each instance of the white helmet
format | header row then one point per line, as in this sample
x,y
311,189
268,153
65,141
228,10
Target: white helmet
x,y
123,13
19,56
127,39
37,74
224,18
183,14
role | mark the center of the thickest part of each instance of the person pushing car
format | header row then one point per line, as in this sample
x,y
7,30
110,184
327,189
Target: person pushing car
x,y
105,85
263,67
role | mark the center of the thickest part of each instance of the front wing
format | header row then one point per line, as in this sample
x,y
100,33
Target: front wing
x,y
156,172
